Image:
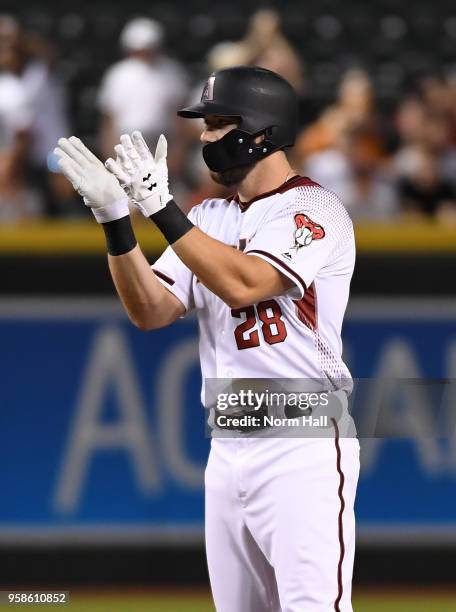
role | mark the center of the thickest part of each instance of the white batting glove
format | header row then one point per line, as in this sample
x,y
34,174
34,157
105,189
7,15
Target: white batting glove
x,y
143,176
99,188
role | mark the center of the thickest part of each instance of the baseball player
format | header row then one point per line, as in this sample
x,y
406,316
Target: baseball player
x,y
280,526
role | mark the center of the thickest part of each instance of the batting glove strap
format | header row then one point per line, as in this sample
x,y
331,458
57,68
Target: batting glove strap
x,y
112,212
156,202
172,222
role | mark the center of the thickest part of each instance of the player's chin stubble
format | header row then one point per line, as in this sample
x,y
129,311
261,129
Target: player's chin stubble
x,y
232,177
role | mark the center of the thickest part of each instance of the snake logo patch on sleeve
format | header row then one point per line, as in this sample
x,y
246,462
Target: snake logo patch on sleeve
x,y
306,231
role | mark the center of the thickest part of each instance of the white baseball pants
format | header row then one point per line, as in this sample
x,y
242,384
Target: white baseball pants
x,y
280,525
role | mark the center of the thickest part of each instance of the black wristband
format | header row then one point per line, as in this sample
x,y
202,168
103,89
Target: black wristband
x,y
120,238
172,222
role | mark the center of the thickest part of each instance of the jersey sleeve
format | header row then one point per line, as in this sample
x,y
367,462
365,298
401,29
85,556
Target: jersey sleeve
x,y
174,274
303,236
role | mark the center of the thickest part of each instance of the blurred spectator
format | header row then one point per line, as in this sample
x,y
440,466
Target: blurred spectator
x,y
418,127
437,138
354,168
424,192
346,151
16,202
438,126
409,122
47,99
435,94
426,161
142,91
451,84
353,109
30,60
266,45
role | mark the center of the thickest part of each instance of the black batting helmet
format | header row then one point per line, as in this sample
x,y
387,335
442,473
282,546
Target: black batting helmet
x,y
260,101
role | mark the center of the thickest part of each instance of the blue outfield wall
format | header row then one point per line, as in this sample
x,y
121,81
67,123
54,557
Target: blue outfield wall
x,y
103,433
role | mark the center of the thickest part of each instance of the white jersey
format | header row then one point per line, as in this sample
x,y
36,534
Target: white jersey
x,y
305,232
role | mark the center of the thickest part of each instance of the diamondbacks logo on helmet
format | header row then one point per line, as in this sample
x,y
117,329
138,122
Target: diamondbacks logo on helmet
x,y
306,231
208,91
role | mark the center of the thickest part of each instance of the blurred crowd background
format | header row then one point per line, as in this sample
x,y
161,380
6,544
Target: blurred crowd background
x,y
377,91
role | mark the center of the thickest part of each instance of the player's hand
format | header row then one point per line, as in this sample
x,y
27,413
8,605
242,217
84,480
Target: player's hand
x,y
144,176
99,188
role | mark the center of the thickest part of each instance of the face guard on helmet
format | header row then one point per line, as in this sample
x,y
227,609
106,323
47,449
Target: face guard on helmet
x,y
260,102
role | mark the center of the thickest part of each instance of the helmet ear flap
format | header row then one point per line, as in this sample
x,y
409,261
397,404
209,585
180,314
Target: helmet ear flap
x,y
269,139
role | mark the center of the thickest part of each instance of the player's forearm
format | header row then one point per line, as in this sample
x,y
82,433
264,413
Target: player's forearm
x,y
147,302
238,279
